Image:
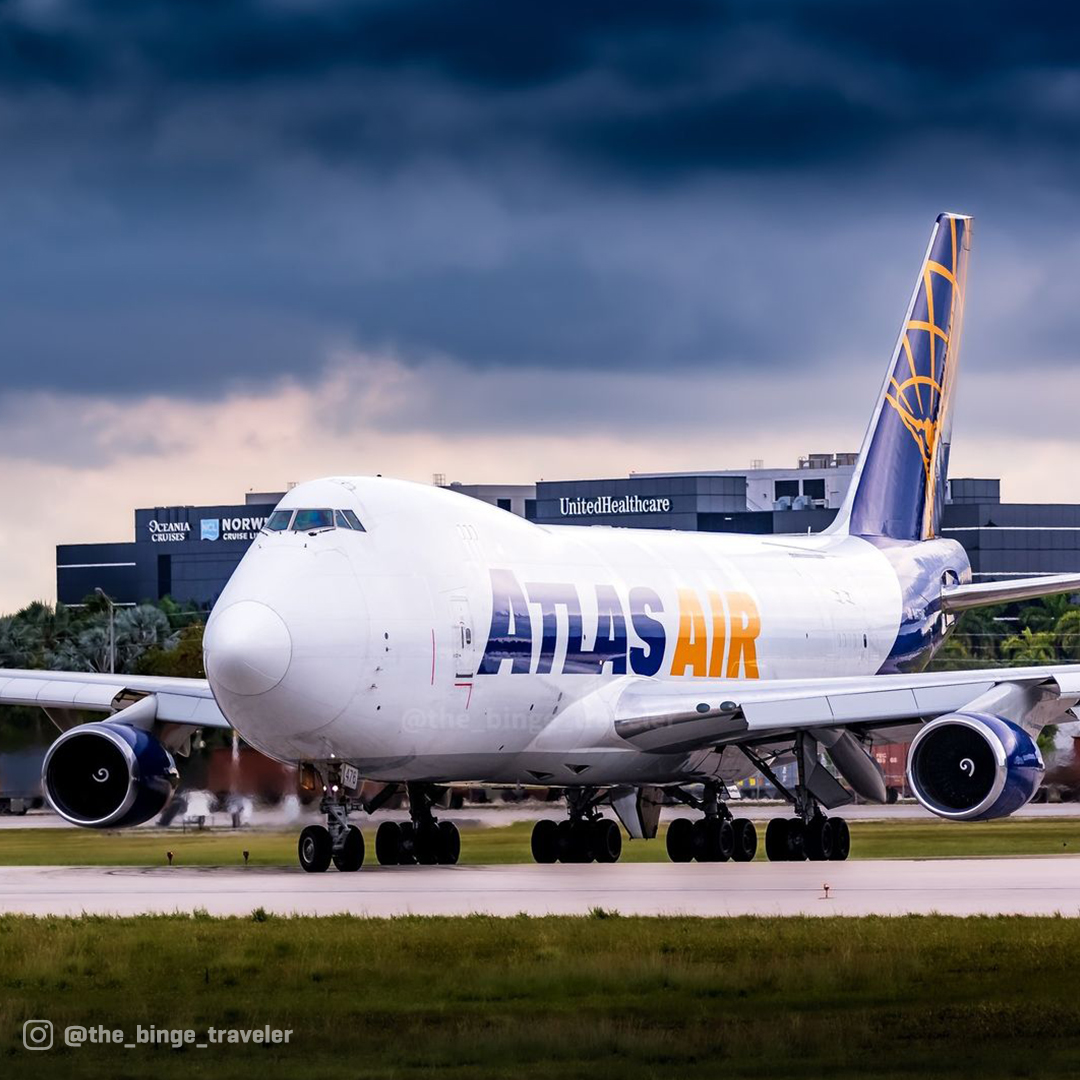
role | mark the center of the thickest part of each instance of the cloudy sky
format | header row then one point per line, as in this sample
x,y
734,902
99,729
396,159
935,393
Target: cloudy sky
x,y
244,242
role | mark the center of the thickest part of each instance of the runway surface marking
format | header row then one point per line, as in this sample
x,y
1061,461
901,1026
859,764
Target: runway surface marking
x,y
1028,886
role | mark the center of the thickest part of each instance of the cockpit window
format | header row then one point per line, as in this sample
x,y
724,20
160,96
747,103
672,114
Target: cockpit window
x,y
307,520
346,519
278,521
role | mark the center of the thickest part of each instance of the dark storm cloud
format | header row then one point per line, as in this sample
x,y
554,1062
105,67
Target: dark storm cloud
x,y
633,83
199,192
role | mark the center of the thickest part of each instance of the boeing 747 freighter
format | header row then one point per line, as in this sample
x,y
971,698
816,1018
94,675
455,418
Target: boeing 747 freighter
x,y
387,631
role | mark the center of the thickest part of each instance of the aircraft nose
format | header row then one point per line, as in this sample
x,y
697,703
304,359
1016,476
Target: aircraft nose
x,y
247,648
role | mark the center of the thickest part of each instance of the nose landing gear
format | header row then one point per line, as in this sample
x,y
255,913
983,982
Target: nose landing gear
x,y
337,841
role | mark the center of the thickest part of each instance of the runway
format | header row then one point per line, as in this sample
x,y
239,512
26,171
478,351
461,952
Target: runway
x,y
1030,886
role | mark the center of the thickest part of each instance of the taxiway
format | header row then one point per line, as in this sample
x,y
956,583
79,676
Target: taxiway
x,y
1029,886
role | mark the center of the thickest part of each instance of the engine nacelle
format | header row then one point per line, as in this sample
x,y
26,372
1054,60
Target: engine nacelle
x,y
973,767
108,775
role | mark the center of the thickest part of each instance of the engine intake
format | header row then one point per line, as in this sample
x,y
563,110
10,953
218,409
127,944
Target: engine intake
x,y
108,775
973,767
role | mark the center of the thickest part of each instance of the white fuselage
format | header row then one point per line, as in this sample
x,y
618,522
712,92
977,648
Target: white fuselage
x,y
373,647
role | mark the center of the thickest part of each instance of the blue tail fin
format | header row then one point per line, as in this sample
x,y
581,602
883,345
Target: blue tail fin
x,y
898,488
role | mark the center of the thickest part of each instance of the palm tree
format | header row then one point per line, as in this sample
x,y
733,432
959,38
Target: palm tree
x,y
1030,647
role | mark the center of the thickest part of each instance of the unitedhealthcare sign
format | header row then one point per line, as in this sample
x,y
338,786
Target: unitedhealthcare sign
x,y
613,504
654,502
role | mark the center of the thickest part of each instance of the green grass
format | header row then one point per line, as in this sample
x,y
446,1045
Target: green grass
x,y
510,843
552,997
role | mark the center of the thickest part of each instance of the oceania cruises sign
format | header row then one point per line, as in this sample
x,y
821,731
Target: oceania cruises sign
x,y
613,504
166,531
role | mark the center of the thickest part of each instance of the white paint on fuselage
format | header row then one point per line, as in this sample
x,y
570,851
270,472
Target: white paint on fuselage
x,y
382,674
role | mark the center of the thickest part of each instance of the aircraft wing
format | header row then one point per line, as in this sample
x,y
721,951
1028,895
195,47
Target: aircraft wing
x,y
655,718
62,694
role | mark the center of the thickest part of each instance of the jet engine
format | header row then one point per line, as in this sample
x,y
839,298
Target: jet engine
x,y
108,775
973,767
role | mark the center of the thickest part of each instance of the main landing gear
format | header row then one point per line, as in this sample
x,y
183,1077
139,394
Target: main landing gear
x,y
422,840
583,838
820,839
715,837
811,834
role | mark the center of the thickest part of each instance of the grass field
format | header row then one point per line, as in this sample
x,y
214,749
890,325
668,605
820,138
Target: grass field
x,y
595,997
510,844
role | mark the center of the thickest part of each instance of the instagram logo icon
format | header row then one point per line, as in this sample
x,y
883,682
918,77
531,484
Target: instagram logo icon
x,y
37,1034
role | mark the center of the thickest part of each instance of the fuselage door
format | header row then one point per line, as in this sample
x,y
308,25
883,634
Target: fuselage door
x,y
462,637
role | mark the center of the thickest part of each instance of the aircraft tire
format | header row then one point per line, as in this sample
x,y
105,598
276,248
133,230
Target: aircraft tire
x,y
315,849
796,840
818,839
841,840
575,842
714,840
350,856
606,840
703,840
745,840
680,840
426,843
545,841
388,843
449,843
776,840
408,843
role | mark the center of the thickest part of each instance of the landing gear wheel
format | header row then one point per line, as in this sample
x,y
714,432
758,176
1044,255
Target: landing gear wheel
x,y
819,839
776,840
350,856
841,839
545,841
565,841
725,840
606,840
796,840
581,842
714,840
449,843
388,843
425,845
315,848
408,838
680,840
745,840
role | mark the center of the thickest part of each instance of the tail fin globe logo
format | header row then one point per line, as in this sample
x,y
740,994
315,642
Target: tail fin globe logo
x,y
901,488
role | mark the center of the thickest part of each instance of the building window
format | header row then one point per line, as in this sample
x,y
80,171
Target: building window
x,y
503,504
530,509
815,489
787,488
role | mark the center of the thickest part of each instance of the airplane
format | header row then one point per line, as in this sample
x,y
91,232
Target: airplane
x,y
397,634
